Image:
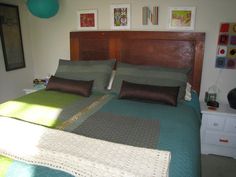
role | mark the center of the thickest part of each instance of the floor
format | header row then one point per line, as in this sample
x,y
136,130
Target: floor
x,y
218,166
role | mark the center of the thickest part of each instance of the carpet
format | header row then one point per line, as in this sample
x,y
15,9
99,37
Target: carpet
x,y
218,166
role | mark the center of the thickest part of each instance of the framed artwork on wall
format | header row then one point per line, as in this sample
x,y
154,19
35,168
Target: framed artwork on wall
x,y
226,46
87,19
150,16
11,38
120,16
181,18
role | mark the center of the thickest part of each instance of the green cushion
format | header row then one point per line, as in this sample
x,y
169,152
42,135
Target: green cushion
x,y
97,70
151,75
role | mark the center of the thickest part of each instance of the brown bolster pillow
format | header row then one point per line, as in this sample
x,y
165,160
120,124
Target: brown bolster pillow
x,y
153,93
79,87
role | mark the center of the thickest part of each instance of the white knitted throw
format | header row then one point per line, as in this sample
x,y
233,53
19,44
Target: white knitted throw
x,y
78,155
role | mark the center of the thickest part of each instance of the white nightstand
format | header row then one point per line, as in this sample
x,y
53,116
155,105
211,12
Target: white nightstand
x,y
218,131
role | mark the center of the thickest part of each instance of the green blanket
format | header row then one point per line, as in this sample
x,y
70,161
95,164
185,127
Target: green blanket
x,y
47,108
43,107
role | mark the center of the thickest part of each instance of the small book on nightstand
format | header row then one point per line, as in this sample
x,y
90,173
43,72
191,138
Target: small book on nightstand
x,y
212,105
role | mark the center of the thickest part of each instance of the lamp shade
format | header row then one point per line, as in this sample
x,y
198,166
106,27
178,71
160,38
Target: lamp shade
x,y
43,8
232,98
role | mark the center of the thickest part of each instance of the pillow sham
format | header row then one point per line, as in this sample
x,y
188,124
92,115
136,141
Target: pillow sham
x,y
150,75
160,94
79,87
111,80
97,70
179,70
188,94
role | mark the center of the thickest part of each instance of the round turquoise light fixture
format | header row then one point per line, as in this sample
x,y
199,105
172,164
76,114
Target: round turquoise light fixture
x,y
43,8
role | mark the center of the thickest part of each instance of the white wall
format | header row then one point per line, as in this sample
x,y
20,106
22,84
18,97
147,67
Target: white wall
x,y
13,82
209,15
50,37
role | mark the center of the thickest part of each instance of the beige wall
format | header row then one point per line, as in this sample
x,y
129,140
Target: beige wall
x,y
13,82
49,39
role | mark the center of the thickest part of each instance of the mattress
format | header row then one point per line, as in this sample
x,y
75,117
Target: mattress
x,y
179,132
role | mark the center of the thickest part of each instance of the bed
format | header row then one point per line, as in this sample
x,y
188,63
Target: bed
x,y
128,111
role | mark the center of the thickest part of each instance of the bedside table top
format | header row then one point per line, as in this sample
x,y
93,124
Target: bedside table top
x,y
35,88
223,109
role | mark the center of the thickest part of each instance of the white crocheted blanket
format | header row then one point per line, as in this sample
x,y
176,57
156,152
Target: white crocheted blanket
x,y
78,155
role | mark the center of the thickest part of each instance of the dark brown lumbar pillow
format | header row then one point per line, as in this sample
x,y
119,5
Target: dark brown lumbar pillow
x,y
160,94
79,87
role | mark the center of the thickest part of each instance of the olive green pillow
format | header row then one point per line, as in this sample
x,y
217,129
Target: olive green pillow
x,y
151,75
97,70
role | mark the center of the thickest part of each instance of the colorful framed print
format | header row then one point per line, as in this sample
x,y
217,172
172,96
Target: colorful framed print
x,y
223,39
226,49
220,62
233,40
150,16
231,63
222,51
120,16
181,18
87,19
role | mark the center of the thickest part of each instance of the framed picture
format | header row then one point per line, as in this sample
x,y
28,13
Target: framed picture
x,y
181,18
120,16
11,38
87,19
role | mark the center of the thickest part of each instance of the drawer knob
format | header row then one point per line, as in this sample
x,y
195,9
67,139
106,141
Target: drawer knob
x,y
215,124
223,140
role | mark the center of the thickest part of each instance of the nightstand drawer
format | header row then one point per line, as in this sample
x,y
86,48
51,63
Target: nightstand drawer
x,y
215,123
221,139
230,125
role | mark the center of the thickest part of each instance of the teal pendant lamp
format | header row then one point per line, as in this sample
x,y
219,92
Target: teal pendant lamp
x,y
43,8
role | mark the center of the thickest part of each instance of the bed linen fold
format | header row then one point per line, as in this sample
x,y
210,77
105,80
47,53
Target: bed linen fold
x,y
78,155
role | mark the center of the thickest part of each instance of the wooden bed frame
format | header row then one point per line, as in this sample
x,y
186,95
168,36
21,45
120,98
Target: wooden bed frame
x,y
169,49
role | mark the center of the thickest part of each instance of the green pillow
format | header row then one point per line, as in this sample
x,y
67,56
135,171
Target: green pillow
x,y
97,70
151,75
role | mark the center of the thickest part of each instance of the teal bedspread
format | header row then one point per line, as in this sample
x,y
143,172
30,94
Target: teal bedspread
x,y
179,134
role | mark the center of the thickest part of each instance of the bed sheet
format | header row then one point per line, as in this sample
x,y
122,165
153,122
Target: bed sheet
x,y
179,134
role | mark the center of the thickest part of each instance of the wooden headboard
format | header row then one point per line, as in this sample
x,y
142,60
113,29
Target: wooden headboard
x,y
169,49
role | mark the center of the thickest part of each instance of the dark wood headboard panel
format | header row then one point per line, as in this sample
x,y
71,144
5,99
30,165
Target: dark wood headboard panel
x,y
169,49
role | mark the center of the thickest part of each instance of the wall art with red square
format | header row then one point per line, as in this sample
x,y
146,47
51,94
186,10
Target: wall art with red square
x,y
226,50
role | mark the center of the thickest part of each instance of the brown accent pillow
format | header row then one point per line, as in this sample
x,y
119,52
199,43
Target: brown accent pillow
x,y
160,94
79,87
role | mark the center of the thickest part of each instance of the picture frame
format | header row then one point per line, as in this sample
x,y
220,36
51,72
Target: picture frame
x,y
10,31
181,18
120,16
87,19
